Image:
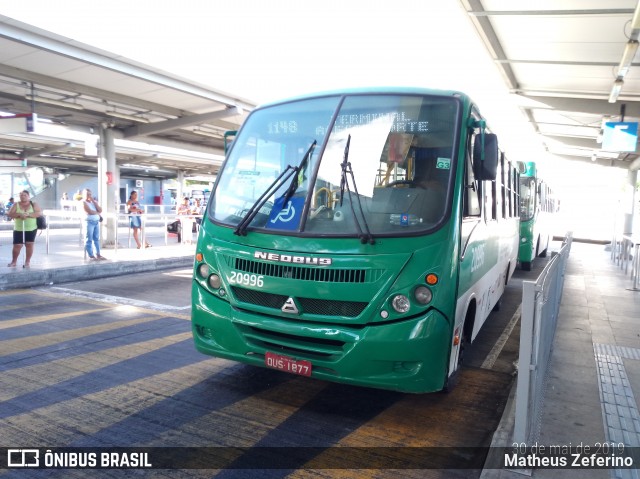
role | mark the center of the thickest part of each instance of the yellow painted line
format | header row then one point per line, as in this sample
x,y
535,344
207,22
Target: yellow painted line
x,y
12,346
11,292
18,381
30,306
13,323
245,422
67,421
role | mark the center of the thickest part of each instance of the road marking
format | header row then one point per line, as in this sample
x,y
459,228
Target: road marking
x,y
12,323
491,358
105,298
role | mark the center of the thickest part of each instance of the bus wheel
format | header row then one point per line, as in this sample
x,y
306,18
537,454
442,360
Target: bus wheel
x,y
498,305
451,381
525,265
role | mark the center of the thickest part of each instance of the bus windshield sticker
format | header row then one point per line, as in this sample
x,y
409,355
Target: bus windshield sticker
x,y
286,217
443,163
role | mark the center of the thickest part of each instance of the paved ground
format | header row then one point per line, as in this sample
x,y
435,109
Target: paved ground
x,y
593,388
594,379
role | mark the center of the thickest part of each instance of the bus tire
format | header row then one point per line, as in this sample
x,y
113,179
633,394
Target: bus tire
x,y
451,382
498,305
525,265
465,340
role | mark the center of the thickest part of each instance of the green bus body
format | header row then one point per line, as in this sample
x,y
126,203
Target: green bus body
x,y
537,205
379,288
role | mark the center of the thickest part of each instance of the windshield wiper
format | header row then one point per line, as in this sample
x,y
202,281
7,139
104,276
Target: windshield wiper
x,y
295,182
241,229
365,237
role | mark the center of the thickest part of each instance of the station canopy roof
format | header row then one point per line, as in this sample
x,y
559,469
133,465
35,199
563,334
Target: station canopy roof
x,y
573,66
163,123
570,64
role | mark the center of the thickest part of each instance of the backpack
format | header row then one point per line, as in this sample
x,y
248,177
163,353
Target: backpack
x,y
41,221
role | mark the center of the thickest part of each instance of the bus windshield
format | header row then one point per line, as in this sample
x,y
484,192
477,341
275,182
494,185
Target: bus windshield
x,y
527,198
288,163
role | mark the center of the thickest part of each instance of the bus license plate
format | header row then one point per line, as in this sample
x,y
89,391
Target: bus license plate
x,y
285,363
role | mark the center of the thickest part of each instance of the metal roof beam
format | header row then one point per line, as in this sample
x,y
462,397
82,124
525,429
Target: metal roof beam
x,y
182,122
58,44
586,105
32,153
592,11
491,41
98,93
599,161
574,141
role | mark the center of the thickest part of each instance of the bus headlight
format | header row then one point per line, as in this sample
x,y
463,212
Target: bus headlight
x,y
400,303
214,281
423,295
203,270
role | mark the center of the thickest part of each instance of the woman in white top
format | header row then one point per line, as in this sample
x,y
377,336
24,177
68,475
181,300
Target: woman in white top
x,y
93,210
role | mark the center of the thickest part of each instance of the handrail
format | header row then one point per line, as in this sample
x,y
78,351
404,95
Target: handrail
x,y
540,306
76,219
622,256
629,243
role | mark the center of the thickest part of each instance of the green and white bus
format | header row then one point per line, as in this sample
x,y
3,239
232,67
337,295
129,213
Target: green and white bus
x,y
359,236
537,206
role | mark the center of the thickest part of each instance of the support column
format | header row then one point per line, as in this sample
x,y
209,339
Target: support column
x,y
179,189
110,183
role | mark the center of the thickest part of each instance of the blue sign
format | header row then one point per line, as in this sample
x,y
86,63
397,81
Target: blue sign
x,y
286,217
620,136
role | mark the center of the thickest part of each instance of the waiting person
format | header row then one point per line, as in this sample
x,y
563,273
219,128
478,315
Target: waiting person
x,y
135,210
93,210
24,212
186,221
197,209
184,208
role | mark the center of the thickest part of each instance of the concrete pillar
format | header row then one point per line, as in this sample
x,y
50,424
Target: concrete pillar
x,y
110,183
179,188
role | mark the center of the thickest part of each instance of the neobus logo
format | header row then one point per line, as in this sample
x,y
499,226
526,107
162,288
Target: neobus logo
x,y
288,258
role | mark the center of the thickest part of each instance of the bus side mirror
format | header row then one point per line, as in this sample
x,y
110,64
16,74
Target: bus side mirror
x,y
229,136
485,161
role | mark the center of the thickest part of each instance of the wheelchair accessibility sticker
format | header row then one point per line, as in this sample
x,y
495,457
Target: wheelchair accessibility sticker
x,y
286,217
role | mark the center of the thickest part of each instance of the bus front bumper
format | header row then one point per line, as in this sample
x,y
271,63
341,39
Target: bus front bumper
x,y
409,356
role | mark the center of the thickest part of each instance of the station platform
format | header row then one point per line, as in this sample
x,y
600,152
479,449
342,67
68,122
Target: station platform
x,y
66,260
593,384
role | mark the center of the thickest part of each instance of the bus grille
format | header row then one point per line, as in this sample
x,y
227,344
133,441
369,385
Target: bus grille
x,y
302,273
327,307
283,343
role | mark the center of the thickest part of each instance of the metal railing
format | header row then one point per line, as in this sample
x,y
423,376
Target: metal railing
x,y
624,252
540,306
76,220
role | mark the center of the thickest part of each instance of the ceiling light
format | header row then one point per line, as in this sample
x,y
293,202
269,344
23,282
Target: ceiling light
x,y
629,54
635,21
206,133
124,116
51,101
615,91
